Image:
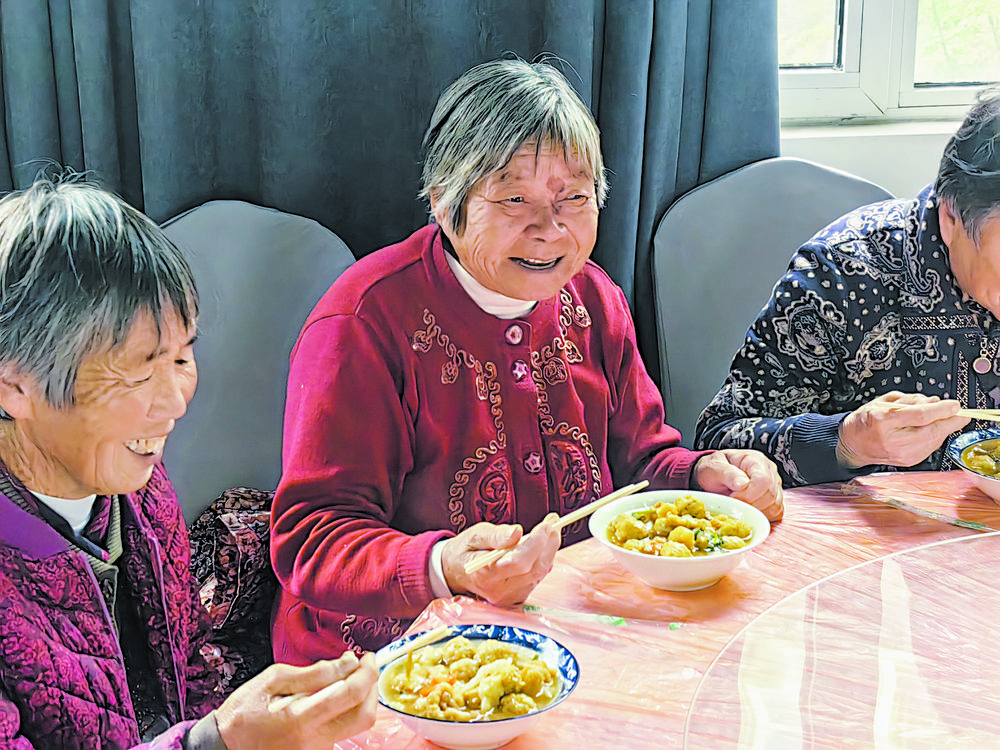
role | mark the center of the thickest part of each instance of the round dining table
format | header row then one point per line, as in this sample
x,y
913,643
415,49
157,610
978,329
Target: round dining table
x,y
865,620
898,652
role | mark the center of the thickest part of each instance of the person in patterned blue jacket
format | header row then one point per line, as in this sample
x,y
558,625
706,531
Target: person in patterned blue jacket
x,y
883,327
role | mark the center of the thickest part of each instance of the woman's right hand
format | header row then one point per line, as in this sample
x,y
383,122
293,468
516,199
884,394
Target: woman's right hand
x,y
247,721
897,429
514,576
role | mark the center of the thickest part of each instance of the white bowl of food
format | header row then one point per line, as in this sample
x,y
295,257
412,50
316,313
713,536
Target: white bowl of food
x,y
477,689
977,453
679,540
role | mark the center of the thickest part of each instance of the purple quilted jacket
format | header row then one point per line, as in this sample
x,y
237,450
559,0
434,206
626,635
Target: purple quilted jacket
x,y
62,678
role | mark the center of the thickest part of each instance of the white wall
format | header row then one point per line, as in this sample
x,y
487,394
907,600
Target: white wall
x,y
901,157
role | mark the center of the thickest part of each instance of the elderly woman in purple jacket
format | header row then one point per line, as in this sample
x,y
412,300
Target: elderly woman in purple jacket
x,y
100,624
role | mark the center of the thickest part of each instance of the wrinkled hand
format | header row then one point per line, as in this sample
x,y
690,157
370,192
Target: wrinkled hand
x,y
510,579
747,475
246,721
897,429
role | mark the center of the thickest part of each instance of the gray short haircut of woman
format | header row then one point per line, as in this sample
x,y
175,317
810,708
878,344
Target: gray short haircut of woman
x,y
77,266
491,111
969,175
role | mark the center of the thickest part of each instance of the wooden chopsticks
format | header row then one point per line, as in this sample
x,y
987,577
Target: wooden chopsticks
x,y
424,639
988,415
304,701
491,557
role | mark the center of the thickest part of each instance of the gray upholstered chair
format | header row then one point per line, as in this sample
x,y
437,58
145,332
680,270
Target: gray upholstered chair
x,y
259,272
717,254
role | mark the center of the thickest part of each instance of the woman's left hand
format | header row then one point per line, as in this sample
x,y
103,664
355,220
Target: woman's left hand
x,y
747,475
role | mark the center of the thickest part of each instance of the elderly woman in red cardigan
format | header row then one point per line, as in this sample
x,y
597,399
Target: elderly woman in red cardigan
x,y
100,623
477,379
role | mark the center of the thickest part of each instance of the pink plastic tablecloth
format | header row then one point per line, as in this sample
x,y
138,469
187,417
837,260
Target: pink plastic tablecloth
x,y
899,652
643,653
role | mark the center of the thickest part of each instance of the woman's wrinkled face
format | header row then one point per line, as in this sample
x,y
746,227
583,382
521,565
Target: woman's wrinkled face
x,y
530,226
127,400
976,265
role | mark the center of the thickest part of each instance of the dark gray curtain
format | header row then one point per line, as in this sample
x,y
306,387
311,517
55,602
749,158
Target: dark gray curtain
x,y
318,106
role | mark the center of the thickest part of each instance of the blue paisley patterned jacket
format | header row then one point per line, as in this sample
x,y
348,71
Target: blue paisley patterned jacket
x,y
867,306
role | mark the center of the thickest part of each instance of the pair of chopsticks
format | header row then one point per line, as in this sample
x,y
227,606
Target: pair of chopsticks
x,y
988,415
304,701
491,557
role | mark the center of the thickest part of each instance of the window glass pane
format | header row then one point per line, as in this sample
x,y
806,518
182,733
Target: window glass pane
x,y
958,41
809,33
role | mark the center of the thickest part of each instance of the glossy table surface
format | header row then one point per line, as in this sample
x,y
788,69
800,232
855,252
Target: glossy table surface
x,y
898,652
755,660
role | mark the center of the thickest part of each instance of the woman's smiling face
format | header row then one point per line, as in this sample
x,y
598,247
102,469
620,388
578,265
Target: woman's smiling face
x,y
530,226
126,402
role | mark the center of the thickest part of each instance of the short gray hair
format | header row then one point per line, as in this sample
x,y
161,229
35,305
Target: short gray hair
x,y
969,175
77,265
488,113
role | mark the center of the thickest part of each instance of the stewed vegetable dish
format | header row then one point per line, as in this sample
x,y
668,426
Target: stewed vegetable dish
x,y
466,679
983,457
684,528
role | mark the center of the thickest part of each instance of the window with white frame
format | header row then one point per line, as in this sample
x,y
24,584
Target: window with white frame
x,y
885,59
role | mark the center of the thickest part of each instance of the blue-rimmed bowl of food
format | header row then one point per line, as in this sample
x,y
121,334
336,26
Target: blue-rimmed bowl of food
x,y
679,540
977,453
479,687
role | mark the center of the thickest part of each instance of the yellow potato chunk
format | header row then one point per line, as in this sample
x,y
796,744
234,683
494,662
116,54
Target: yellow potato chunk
x,y
674,549
517,704
665,509
536,676
625,527
639,545
458,648
663,526
739,529
690,506
463,669
682,535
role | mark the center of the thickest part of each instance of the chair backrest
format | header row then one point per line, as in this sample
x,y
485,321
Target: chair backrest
x,y
717,254
259,273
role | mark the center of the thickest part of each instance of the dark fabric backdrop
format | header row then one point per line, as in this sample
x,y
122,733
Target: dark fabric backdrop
x,y
318,107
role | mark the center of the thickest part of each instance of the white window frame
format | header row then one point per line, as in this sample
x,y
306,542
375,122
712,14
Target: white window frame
x,y
876,79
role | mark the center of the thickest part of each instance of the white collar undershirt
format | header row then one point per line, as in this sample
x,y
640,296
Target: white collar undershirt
x,y
489,301
76,512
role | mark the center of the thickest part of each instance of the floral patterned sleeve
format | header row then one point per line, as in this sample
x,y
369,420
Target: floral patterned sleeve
x,y
203,679
10,725
180,736
786,393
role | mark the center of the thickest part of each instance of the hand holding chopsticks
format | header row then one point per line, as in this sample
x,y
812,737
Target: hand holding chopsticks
x,y
900,429
489,558
312,706
304,701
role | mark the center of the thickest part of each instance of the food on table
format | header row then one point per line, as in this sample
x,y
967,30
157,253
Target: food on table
x,y
683,528
983,457
470,680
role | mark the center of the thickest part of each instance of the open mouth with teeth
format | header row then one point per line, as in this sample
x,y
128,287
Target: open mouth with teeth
x,y
537,265
146,446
